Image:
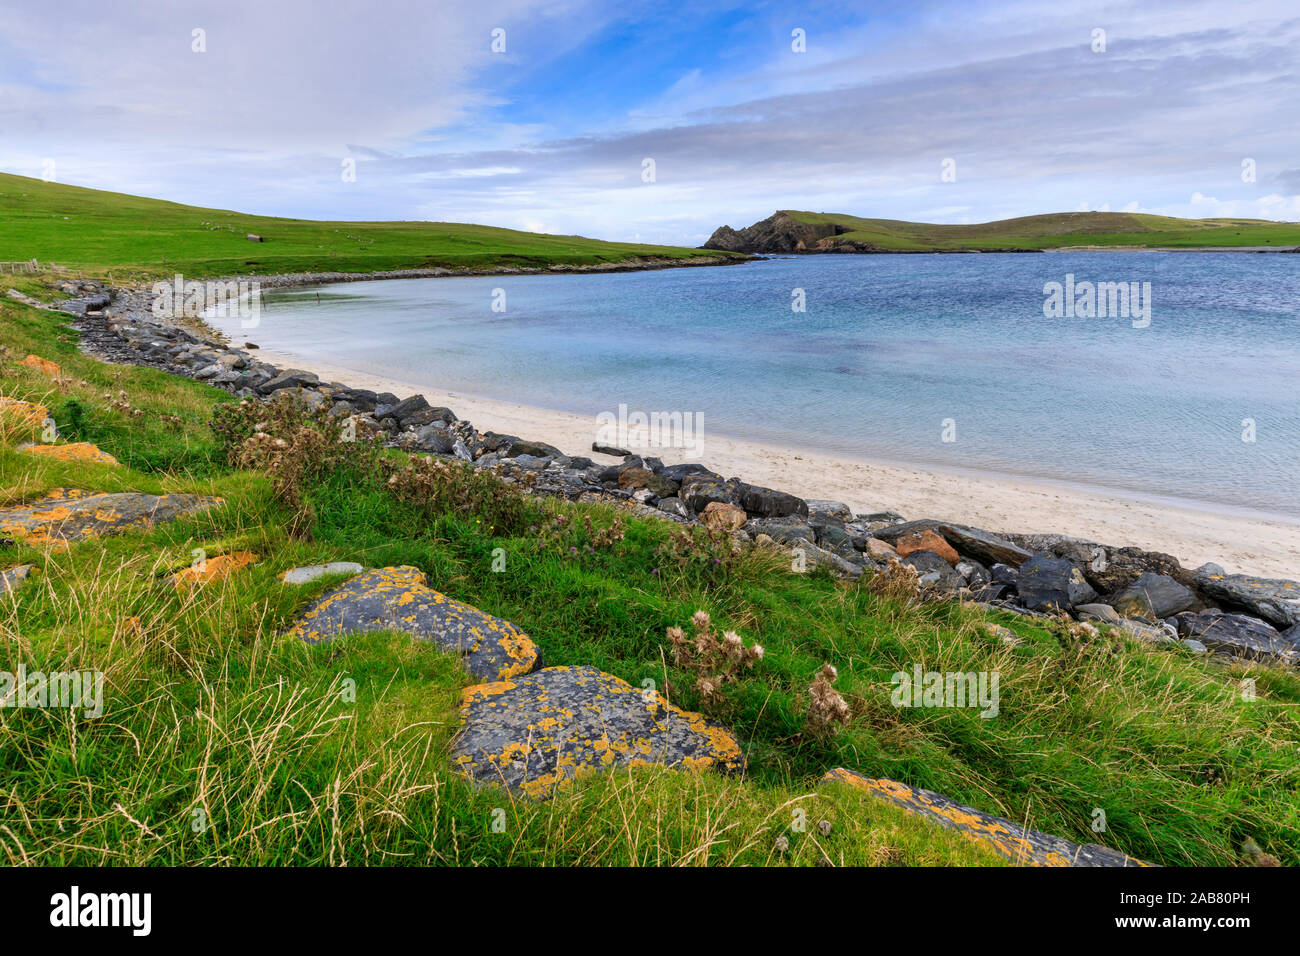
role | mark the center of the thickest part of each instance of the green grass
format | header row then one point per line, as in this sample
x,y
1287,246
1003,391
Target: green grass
x,y
1059,230
95,231
224,742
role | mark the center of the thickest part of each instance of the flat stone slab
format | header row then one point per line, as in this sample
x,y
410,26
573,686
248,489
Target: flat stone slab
x,y
536,731
1011,840
11,579
398,599
313,571
75,451
67,515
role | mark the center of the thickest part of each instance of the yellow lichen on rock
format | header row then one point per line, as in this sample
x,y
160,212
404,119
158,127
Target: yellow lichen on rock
x,y
75,451
214,568
44,366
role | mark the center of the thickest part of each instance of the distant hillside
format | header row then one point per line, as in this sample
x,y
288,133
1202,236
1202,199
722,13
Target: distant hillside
x,y
92,229
808,232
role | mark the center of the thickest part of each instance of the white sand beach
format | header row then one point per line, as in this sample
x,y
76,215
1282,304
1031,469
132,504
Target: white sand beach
x,y
1240,541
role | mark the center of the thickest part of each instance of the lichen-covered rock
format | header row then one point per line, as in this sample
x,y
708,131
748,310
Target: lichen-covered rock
x,y
533,732
398,599
214,569
1153,596
44,366
11,579
1011,840
75,451
67,515
30,414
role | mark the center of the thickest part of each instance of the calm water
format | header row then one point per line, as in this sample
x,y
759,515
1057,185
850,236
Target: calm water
x,y
887,349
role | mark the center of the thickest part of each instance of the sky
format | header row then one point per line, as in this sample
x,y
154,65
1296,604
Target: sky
x,y
653,122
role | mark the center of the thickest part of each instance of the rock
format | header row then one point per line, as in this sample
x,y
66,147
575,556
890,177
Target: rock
x,y
697,490
893,531
11,579
1044,582
313,571
398,599
66,516
831,509
27,413
1109,570
289,378
43,366
1010,840
1276,601
534,449
531,733
821,558
609,450
926,541
425,416
76,451
974,574
679,472
1098,612
1196,647
214,569
434,437
718,515
1238,636
782,530
933,570
983,546
879,550
1146,632
767,503
1153,596
1209,567
673,506
630,478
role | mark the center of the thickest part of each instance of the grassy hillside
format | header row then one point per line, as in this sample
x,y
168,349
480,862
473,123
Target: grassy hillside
x,y
213,714
1057,230
92,230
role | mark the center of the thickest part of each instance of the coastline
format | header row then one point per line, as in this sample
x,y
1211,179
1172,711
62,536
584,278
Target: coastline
x,y
1195,532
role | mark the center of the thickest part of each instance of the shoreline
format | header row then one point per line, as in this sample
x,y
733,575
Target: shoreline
x,y
1195,532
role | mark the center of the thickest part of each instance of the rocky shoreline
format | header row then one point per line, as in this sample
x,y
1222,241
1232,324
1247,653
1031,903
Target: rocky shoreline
x,y
1149,595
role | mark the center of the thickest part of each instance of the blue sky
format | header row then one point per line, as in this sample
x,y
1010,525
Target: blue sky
x,y
552,134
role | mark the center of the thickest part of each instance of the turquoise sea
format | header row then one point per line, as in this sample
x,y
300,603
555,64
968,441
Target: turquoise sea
x,y
891,354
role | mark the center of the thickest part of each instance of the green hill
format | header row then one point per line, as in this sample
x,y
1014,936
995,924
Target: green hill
x,y
93,230
797,231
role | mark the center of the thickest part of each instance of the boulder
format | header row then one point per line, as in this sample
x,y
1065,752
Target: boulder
x,y
879,550
1097,612
408,407
534,449
983,546
1044,582
1109,570
82,451
66,515
1276,601
768,503
697,490
718,515
926,540
398,599
933,570
1153,596
609,450
679,472
782,530
1008,839
673,506
630,478
531,733
831,509
1237,635
289,378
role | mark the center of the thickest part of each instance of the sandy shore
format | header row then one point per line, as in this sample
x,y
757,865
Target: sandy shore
x,y
1240,541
